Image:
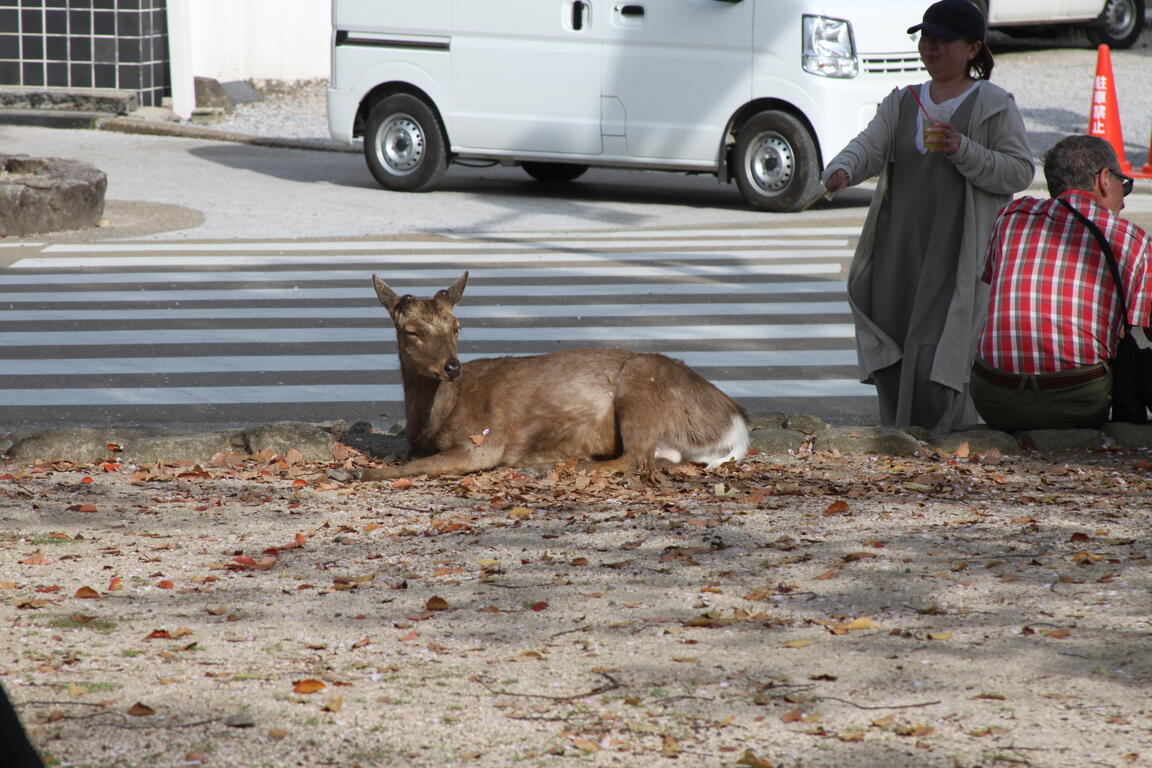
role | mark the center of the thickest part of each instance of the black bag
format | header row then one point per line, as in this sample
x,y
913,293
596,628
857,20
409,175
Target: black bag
x,y
1131,365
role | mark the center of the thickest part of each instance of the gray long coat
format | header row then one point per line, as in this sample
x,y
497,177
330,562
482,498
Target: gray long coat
x,y
996,162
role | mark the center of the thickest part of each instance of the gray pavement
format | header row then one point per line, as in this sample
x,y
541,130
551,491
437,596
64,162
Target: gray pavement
x,y
214,188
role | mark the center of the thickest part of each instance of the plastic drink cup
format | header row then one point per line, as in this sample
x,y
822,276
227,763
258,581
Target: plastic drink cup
x,y
933,135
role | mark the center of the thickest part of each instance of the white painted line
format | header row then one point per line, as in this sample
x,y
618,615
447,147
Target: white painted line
x,y
115,366
519,312
21,245
558,273
331,248
644,233
554,292
383,393
594,336
240,260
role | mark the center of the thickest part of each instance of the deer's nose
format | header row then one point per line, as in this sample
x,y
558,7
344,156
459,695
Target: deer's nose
x,y
452,368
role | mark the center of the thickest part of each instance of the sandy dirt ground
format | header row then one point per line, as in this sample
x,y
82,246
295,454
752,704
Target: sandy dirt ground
x,y
808,610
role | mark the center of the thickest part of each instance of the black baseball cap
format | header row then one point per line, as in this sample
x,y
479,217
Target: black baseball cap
x,y
952,19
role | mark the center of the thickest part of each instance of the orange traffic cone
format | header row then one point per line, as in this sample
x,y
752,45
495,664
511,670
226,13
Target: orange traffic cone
x,y
1146,171
1104,119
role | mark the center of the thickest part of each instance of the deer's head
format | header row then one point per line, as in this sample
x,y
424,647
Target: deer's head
x,y
426,329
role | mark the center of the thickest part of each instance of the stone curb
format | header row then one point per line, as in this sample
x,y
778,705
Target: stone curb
x,y
771,434
104,121
182,130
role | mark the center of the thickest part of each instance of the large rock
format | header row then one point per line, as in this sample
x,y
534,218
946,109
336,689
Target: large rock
x,y
375,444
193,448
1064,440
79,444
211,95
887,441
1133,437
314,443
48,195
980,441
107,100
776,440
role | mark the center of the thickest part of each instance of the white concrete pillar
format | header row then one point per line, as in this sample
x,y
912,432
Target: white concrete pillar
x,y
180,58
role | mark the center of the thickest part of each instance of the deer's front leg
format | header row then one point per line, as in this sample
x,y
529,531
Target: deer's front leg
x,y
458,460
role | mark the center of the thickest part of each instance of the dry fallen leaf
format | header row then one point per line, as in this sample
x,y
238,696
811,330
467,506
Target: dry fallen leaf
x,y
310,685
141,710
750,759
87,593
836,508
793,716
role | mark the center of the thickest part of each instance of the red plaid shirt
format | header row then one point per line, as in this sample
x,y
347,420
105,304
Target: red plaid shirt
x,y
1053,304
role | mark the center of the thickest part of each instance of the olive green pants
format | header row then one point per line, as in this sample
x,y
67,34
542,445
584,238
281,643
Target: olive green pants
x,y
1028,407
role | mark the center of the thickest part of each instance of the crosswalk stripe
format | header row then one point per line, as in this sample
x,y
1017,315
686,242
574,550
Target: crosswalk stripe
x,y
314,249
465,312
107,262
555,273
329,393
114,366
303,295
592,235
615,335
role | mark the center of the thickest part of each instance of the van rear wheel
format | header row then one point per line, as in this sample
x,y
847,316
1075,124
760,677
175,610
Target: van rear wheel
x,y
775,162
404,144
1119,24
554,172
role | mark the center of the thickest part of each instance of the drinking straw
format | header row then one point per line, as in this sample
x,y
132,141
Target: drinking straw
x,y
912,90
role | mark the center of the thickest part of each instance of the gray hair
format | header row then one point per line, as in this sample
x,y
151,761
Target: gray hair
x,y
1074,162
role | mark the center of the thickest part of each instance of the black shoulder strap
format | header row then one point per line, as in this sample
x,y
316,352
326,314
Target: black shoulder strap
x,y
1111,258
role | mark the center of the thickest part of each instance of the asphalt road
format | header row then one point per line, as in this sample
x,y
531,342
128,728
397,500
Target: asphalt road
x,y
171,198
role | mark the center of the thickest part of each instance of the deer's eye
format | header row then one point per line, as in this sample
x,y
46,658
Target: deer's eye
x,y
412,335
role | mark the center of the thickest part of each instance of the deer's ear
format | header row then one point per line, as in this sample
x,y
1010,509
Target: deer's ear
x,y
386,295
456,290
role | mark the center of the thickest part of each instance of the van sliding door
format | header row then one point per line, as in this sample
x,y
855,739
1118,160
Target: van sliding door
x,y
679,68
526,75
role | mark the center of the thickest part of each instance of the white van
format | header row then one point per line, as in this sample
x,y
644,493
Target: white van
x,y
1115,23
760,91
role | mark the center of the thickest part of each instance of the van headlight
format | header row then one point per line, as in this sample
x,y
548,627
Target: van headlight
x,y
828,47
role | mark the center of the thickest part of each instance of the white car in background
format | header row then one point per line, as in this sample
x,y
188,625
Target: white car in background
x,y
1115,23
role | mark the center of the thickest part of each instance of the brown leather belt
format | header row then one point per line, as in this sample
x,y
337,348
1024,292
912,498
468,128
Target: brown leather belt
x,y
1058,380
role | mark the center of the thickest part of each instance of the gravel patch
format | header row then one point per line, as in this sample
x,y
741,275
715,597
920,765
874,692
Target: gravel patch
x,y
932,611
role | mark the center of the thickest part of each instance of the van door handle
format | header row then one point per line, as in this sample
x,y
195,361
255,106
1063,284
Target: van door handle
x,y
631,9
579,14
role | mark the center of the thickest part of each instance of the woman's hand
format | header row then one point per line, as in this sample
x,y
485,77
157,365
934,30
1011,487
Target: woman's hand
x,y
943,138
837,181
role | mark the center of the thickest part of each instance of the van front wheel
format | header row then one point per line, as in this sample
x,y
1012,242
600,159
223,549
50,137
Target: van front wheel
x,y
404,144
775,162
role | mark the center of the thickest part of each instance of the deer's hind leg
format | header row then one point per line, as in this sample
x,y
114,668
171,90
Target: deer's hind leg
x,y
646,404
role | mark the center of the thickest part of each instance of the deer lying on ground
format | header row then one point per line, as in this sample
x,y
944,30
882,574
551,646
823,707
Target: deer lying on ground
x,y
626,410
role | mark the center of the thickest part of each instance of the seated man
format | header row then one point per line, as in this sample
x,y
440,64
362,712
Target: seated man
x,y
1053,315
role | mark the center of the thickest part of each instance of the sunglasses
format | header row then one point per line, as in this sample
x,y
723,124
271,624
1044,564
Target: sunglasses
x,y
1126,182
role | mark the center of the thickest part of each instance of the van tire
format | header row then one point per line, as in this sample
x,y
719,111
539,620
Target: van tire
x,y
1119,24
775,162
554,172
404,144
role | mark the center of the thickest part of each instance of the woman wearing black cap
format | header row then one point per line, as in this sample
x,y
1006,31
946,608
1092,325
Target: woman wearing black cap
x,y
914,284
